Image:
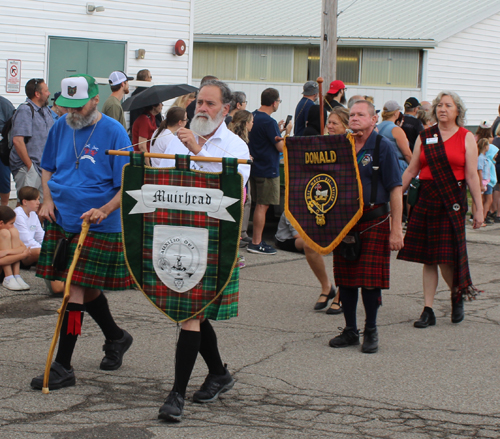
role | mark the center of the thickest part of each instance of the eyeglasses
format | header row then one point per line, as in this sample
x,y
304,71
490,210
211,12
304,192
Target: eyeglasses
x,y
279,101
185,120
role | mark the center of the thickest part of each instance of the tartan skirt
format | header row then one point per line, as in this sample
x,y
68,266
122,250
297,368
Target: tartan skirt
x,y
101,264
372,269
226,305
429,235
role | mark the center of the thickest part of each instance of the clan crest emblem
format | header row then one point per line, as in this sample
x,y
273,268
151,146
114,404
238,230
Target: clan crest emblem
x,y
71,90
320,195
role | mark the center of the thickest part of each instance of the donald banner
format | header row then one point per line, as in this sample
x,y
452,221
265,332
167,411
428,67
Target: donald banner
x,y
323,192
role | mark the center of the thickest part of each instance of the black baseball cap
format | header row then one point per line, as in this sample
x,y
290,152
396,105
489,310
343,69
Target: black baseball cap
x,y
411,103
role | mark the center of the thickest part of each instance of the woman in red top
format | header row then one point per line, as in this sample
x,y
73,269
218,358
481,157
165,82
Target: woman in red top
x,y
144,127
446,157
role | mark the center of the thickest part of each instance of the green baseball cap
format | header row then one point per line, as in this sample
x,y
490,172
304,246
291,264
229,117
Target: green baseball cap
x,y
77,90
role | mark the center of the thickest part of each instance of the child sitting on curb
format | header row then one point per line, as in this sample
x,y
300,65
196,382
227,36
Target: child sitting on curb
x,y
30,229
12,251
28,224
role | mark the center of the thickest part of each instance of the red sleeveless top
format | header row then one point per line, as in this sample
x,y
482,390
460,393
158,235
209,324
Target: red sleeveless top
x,y
455,151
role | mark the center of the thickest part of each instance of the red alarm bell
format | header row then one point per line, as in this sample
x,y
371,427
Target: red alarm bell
x,y
180,48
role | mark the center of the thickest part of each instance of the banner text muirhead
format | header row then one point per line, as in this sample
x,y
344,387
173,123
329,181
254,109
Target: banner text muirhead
x,y
162,196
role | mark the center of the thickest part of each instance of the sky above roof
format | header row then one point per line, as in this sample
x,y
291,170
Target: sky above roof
x,y
363,19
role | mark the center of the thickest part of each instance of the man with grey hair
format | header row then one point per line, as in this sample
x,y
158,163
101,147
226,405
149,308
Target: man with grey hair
x,y
190,109
378,231
208,137
75,166
310,92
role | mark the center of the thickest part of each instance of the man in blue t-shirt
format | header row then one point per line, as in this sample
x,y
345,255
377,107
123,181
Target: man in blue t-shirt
x,y
265,173
311,92
82,183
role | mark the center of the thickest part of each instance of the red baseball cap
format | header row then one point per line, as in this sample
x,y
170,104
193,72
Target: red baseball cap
x,y
335,86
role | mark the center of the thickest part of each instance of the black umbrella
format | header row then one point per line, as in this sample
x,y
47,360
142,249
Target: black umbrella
x,y
156,94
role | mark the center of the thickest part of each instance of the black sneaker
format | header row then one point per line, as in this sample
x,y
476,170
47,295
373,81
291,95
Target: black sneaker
x,y
262,248
172,410
348,337
497,219
489,220
59,377
114,351
370,341
213,386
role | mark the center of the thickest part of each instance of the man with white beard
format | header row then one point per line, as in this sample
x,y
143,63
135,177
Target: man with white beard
x,y
208,137
81,182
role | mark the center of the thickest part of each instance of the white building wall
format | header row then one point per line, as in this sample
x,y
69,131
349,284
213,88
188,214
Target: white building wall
x,y
155,26
291,94
469,64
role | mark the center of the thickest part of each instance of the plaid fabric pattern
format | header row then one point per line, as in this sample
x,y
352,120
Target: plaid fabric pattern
x,y
372,269
455,205
207,299
101,263
348,207
429,236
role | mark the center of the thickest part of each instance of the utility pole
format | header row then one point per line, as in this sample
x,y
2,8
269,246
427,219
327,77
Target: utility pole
x,y
328,52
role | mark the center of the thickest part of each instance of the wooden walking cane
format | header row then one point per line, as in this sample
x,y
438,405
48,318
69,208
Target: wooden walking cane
x,y
62,310
321,105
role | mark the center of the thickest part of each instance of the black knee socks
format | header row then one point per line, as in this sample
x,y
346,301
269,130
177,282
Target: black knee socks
x,y
70,329
98,309
209,349
188,346
372,299
349,299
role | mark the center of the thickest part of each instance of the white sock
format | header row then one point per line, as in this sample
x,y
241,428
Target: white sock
x,y
9,277
17,275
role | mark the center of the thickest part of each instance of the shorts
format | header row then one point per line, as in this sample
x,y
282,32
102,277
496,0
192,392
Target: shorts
x,y
32,178
288,245
4,179
265,191
496,188
489,190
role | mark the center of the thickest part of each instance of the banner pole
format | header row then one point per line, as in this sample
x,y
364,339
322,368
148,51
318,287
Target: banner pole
x,y
321,105
172,157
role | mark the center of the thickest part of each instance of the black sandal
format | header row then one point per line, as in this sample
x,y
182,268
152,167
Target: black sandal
x,y
322,305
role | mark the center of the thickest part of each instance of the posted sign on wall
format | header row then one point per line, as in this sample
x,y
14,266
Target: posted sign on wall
x,y
13,83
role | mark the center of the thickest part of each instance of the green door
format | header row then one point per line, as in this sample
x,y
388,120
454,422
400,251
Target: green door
x,y
68,56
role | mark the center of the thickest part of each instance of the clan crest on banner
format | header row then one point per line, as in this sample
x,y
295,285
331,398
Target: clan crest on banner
x,y
181,232
323,192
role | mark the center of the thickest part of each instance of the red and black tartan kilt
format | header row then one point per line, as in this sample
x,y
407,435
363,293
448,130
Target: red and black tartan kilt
x,y
429,235
372,269
101,264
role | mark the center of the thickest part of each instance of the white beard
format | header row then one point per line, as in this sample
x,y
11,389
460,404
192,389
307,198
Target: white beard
x,y
77,122
206,125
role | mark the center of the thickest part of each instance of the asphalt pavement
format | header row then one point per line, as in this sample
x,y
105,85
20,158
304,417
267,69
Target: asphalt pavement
x,y
438,382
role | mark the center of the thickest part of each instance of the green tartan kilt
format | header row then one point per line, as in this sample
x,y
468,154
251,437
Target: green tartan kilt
x,y
226,305
101,264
